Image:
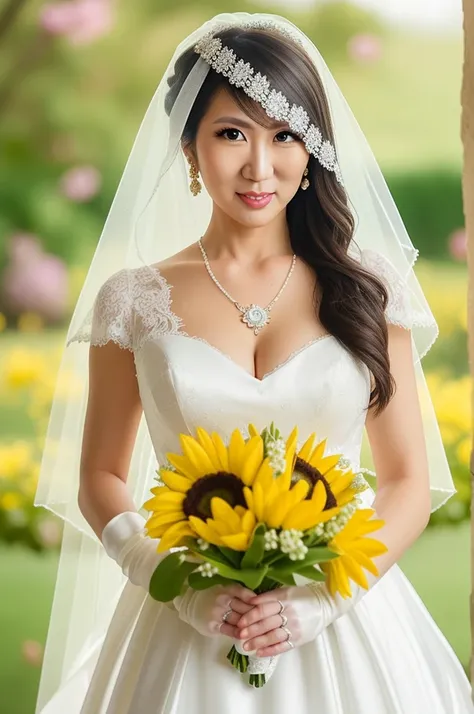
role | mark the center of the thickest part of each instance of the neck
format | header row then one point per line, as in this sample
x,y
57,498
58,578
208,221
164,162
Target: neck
x,y
226,238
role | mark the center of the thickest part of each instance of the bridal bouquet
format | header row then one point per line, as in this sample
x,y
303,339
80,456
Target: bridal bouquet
x,y
259,512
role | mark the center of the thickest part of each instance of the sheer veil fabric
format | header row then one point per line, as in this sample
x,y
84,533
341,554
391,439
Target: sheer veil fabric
x,y
153,216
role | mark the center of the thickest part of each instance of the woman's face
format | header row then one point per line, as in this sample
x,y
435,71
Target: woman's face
x,y
238,158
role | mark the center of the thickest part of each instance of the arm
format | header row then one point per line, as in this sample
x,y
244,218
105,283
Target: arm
x,y
399,451
112,418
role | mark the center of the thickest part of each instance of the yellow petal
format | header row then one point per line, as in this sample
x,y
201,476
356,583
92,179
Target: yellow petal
x,y
240,510
305,452
253,430
319,497
258,502
341,579
318,452
175,482
299,491
248,495
264,475
240,541
221,511
301,516
236,452
209,447
165,518
355,572
326,464
196,455
174,536
364,561
280,507
204,531
292,439
221,451
184,466
252,460
248,522
340,483
370,546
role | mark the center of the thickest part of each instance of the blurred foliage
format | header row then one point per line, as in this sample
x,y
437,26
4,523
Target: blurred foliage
x,y
430,203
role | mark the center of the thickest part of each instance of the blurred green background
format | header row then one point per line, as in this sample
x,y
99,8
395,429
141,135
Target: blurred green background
x,y
76,80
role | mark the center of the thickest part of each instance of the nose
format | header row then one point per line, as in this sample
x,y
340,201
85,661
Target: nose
x,y
259,164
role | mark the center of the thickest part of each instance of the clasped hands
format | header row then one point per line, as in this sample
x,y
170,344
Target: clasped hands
x,y
268,624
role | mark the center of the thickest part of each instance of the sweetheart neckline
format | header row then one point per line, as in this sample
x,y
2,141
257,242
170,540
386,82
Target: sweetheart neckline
x,y
260,380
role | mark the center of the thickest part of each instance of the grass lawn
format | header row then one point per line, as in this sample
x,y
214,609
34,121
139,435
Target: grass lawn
x,y
28,582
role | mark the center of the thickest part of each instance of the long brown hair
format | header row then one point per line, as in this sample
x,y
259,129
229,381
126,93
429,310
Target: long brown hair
x,y
321,225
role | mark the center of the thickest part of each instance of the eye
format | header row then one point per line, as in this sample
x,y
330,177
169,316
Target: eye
x,y
230,134
286,135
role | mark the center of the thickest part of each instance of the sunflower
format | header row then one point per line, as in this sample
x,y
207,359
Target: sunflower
x,y
206,469
312,466
355,553
230,527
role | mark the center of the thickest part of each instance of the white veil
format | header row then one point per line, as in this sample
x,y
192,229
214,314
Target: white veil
x,y
153,216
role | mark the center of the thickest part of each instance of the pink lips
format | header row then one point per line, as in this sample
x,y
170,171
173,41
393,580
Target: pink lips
x,y
256,200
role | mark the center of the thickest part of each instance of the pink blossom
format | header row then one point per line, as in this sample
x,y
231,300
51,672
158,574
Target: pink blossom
x,y
23,246
365,48
80,184
32,652
34,281
457,244
50,532
81,21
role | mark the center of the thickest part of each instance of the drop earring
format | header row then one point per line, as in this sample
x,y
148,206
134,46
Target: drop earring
x,y
305,182
195,185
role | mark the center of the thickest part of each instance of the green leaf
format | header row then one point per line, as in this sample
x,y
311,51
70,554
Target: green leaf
x,y
199,582
318,555
168,578
250,577
311,573
254,555
285,577
234,557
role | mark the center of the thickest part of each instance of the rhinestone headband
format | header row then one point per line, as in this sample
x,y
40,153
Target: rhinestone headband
x,y
241,74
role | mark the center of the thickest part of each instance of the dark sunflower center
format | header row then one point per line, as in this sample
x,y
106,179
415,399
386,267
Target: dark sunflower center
x,y
305,471
225,485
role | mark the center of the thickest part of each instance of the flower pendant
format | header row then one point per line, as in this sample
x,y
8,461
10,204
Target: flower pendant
x,y
256,318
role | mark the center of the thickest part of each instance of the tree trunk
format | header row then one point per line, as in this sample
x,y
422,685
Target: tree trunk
x,y
467,133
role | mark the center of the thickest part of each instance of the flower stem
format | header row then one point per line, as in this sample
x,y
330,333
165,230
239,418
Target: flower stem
x,y
257,680
239,661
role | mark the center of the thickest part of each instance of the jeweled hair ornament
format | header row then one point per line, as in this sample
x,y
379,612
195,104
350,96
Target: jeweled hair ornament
x,y
241,74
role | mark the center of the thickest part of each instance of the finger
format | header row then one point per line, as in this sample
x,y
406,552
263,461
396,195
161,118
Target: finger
x,y
239,591
270,596
228,630
259,612
233,619
274,650
240,607
269,638
260,628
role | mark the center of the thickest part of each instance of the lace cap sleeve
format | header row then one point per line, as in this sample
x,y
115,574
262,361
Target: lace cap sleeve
x,y
111,317
399,310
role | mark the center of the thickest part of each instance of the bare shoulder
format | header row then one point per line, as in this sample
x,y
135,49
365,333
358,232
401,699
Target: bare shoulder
x,y
182,267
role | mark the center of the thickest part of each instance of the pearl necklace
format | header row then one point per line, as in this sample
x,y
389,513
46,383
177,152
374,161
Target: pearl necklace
x,y
254,316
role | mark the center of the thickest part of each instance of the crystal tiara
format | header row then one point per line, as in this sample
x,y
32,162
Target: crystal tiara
x,y
241,74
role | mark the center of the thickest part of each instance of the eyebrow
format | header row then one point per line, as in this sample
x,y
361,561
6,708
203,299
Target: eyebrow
x,y
242,123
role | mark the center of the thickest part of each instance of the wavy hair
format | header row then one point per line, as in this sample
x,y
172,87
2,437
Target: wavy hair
x,y
352,300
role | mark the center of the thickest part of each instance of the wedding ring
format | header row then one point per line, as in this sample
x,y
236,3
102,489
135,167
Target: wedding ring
x,y
288,641
285,629
284,620
282,607
226,614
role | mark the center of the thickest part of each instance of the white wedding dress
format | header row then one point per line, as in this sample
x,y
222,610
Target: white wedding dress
x,y
386,656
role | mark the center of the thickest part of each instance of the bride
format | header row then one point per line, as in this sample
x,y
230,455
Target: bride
x,y
253,268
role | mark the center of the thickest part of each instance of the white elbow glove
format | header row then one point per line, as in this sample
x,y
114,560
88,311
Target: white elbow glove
x,y
125,542
310,609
